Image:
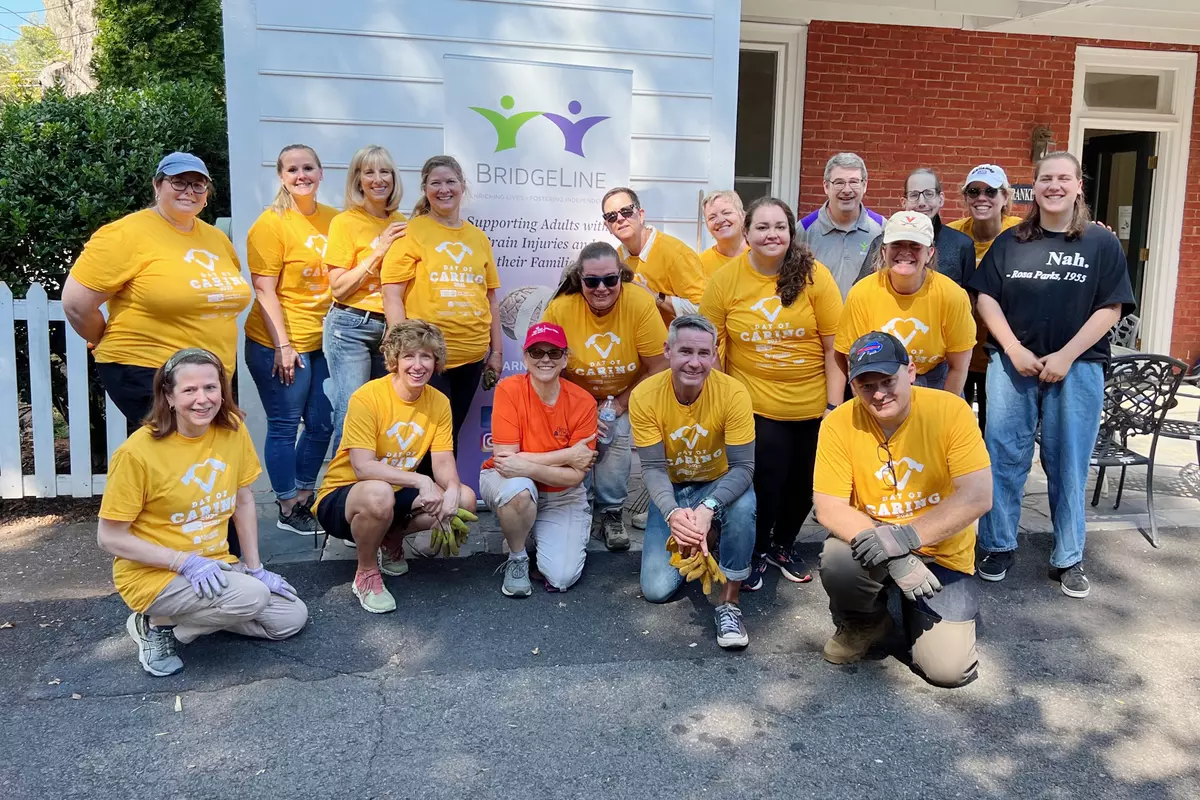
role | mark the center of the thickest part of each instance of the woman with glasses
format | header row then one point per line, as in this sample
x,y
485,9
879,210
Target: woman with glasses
x,y
616,340
285,248
359,238
989,201
776,310
725,219
543,444
1049,290
173,489
910,299
443,272
170,280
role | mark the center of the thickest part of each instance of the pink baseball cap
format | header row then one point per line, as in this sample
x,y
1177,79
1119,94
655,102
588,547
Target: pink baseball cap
x,y
545,332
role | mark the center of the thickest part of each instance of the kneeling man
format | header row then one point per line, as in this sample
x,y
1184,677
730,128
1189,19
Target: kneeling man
x,y
694,430
902,476
543,444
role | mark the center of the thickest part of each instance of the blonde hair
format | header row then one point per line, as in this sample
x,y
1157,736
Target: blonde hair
x,y
723,194
371,156
421,207
409,337
284,201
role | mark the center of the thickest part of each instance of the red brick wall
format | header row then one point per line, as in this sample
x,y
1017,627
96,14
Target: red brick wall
x,y
955,99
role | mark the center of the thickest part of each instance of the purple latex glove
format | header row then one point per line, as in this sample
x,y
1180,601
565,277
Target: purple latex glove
x,y
206,575
273,581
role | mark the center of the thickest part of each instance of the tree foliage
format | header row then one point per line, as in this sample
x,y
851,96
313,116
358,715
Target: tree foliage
x,y
142,42
21,60
71,164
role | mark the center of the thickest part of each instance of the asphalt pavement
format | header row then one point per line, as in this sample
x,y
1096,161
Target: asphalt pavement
x,y
596,693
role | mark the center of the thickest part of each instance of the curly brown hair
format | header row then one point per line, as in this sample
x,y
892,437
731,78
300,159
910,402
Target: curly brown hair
x,y
411,336
796,271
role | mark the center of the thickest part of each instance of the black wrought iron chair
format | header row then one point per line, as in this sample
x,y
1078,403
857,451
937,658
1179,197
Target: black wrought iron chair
x,y
1185,429
1139,391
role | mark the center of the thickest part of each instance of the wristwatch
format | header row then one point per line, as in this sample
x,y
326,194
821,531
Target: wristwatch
x,y
712,504
662,297
830,407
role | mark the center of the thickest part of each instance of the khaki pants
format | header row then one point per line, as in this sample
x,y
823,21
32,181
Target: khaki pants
x,y
246,606
940,630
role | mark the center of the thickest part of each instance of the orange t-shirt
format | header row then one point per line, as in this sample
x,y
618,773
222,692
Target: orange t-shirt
x,y
519,417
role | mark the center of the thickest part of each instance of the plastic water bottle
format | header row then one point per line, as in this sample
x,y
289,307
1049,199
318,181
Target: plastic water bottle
x,y
608,415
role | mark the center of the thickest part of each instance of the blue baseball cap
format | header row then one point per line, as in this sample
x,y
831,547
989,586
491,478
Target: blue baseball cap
x,y
178,163
876,352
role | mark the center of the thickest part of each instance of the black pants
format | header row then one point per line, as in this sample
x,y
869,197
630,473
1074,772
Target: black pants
x,y
460,385
975,391
132,391
784,456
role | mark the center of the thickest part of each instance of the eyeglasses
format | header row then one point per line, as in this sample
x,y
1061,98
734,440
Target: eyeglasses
x,y
928,195
180,185
974,192
537,353
853,183
628,211
594,281
889,477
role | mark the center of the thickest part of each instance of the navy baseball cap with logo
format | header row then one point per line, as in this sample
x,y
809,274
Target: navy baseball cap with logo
x,y
876,352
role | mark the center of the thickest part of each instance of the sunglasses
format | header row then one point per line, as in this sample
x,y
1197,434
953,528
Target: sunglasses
x,y
628,211
538,353
974,192
594,281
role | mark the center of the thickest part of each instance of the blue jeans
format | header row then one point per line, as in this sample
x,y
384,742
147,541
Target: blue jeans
x,y
352,349
608,481
935,378
1069,412
736,525
292,464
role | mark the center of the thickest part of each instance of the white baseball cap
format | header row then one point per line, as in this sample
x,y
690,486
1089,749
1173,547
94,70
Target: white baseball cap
x,y
908,226
987,173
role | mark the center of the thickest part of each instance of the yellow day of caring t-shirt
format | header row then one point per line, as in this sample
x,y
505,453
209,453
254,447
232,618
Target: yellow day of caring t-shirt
x,y
179,493
694,436
668,265
398,432
775,351
291,247
712,260
171,289
353,235
940,441
967,225
449,272
606,352
934,321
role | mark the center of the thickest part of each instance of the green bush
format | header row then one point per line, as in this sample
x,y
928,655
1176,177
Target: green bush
x,y
71,164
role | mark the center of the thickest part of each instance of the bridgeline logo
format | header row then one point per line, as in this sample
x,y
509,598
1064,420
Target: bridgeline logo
x,y
507,126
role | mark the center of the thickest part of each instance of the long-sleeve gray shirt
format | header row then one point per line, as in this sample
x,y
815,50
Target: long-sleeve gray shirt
x,y
728,488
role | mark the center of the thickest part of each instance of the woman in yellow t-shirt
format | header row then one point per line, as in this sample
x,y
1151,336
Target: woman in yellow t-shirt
x,y
443,272
394,472
908,298
776,309
359,238
726,219
989,202
173,488
284,249
616,338
170,280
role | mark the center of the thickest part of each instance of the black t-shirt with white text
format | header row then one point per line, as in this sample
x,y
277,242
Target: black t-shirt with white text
x,y
1049,287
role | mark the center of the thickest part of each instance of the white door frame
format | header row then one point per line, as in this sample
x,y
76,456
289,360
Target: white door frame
x,y
789,43
1173,124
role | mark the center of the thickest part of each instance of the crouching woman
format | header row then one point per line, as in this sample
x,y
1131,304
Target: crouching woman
x,y
172,489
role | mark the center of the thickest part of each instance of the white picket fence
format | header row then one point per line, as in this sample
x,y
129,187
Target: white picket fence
x,y
39,313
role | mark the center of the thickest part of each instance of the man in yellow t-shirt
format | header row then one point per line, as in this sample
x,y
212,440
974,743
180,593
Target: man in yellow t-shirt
x,y
902,477
663,265
694,430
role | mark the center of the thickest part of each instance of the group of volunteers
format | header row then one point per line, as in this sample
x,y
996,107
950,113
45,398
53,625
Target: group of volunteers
x,y
833,352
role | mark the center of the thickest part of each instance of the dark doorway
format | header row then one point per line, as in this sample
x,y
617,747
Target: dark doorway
x,y
1118,176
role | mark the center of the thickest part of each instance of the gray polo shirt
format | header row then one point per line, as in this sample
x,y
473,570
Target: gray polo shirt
x,y
839,249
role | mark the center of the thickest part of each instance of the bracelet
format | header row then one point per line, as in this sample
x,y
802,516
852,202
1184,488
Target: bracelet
x,y
175,562
281,346
1010,347
667,518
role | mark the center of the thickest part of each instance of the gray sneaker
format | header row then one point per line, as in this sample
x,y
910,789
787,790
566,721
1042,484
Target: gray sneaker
x,y
612,530
516,578
730,630
299,520
156,646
